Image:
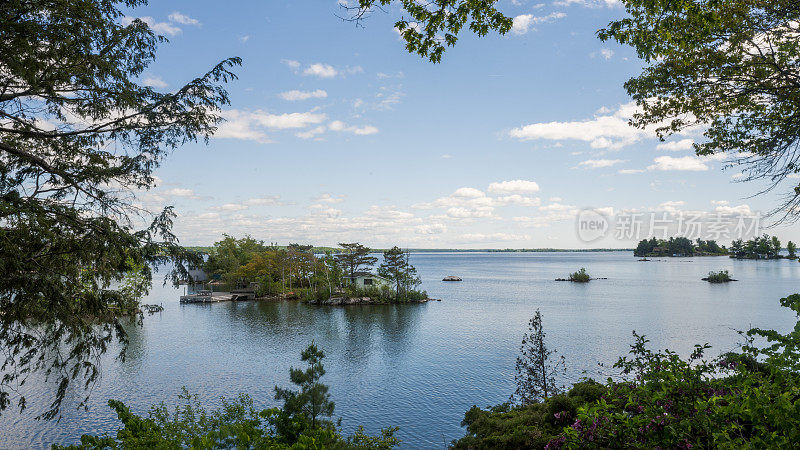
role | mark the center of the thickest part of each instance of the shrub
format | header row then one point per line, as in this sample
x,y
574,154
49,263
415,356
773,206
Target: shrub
x,y
300,424
580,276
718,277
745,399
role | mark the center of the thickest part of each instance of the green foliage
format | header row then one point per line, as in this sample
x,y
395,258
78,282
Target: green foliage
x,y
677,246
78,138
432,26
747,399
727,67
761,247
355,257
312,401
237,424
396,268
383,294
526,426
791,248
718,277
580,276
536,376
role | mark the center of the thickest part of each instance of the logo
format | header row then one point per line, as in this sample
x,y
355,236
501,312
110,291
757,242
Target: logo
x,y
591,225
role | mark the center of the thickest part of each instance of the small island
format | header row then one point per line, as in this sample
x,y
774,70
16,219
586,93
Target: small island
x,y
451,278
718,277
580,276
247,269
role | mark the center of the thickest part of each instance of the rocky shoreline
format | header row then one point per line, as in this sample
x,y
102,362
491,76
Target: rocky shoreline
x,y
343,301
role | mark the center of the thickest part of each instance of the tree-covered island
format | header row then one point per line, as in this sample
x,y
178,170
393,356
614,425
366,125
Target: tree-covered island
x,y
760,247
339,277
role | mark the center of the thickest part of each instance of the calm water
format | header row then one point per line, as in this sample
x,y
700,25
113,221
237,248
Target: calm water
x,y
420,367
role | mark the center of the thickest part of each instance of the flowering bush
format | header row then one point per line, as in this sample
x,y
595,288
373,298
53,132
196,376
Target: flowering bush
x,y
750,398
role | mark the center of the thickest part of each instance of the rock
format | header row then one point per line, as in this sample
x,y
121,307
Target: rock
x,y
451,278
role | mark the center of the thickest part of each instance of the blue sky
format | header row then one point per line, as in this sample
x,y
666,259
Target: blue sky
x,y
335,133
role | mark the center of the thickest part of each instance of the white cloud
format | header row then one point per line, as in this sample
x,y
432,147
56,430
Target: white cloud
x,y
291,63
435,228
296,95
321,70
605,53
308,134
264,201
468,192
230,207
604,131
630,171
328,198
182,19
671,206
518,200
600,163
338,125
493,237
527,22
155,82
684,163
675,146
180,192
514,187
250,125
163,28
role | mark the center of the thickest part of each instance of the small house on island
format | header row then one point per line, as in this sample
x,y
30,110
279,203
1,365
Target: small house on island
x,y
366,280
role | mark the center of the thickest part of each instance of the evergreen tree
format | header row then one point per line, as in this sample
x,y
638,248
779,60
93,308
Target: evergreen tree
x,y
312,401
536,376
791,248
354,257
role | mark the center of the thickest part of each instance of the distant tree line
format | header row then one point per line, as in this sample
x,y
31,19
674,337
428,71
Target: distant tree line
x,y
297,271
678,246
762,247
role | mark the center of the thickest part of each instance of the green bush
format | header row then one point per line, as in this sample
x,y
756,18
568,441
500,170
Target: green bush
x,y
745,399
301,424
718,277
580,276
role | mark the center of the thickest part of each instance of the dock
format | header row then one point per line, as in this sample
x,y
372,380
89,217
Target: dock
x,y
207,296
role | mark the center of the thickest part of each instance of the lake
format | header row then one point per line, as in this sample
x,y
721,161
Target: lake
x,y
420,367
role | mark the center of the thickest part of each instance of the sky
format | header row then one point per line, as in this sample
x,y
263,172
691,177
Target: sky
x,y
335,133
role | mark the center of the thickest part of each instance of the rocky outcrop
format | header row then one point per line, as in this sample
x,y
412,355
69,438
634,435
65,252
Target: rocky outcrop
x,y
451,278
345,301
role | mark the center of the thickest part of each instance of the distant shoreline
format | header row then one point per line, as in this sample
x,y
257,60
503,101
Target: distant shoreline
x,y
462,250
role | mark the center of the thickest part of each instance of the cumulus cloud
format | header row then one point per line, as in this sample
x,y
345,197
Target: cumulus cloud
x,y
251,125
328,198
296,95
675,146
600,163
321,70
527,22
514,187
338,125
610,131
684,163
291,63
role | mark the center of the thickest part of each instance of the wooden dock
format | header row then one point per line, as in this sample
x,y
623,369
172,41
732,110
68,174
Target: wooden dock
x,y
216,297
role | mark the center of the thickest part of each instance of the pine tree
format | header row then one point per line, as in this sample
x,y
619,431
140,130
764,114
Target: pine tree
x,y
312,401
536,377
